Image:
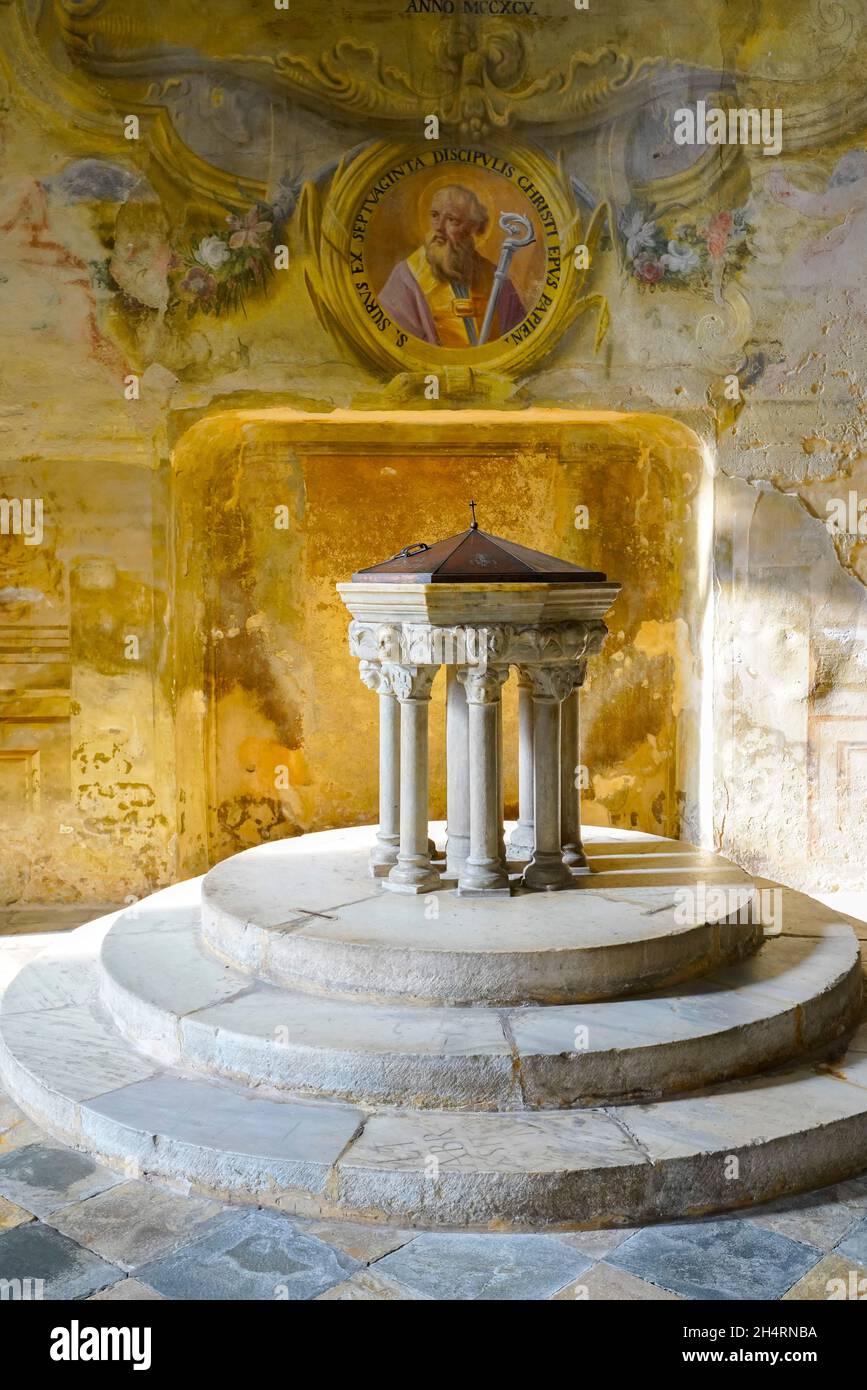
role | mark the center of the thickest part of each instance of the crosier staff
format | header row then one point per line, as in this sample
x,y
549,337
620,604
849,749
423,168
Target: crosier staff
x,y
519,232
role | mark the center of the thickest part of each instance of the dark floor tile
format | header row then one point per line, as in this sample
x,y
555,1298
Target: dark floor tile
x,y
716,1259
37,1252
257,1255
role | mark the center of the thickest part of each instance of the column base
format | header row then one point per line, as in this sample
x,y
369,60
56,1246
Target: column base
x,y
383,858
547,873
483,892
521,842
574,856
412,878
480,880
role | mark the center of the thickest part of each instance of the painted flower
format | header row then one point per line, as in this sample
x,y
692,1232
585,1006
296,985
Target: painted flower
x,y
199,282
717,233
248,231
679,258
212,252
639,234
647,268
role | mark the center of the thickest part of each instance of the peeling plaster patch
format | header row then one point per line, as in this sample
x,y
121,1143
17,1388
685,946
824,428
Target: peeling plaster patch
x,y
613,793
672,639
12,595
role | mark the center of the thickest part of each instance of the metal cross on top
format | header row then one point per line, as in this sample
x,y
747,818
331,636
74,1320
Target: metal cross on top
x,y
475,525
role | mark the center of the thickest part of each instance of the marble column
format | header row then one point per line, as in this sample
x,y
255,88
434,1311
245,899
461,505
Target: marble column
x,y
522,838
457,774
551,685
570,794
483,871
383,855
413,872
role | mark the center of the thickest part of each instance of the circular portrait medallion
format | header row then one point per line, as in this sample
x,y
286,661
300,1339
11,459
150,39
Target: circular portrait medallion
x,y
452,254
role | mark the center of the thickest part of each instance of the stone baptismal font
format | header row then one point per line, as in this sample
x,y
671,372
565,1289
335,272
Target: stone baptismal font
x,y
480,607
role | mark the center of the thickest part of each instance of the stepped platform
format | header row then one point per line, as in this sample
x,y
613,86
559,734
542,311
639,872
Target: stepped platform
x,y
282,1032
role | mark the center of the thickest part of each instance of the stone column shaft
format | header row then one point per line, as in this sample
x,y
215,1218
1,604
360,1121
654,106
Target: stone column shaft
x,y
546,870
522,837
383,855
413,872
483,870
457,774
570,795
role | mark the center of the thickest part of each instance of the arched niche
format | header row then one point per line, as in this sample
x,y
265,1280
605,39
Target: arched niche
x,y
276,734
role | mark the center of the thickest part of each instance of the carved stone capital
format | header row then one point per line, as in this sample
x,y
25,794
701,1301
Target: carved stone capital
x,y
371,675
377,676
412,682
479,645
581,671
483,686
551,683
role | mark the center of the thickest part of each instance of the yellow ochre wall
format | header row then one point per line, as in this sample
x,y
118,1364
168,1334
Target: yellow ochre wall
x,y
165,646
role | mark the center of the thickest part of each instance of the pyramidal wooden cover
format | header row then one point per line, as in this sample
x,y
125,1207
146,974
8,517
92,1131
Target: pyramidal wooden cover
x,y
474,556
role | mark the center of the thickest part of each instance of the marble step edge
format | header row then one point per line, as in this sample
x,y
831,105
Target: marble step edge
x,y
171,999
380,973
735,1145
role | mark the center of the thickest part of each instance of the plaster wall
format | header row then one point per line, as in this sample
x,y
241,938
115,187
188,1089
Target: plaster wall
x,y
122,771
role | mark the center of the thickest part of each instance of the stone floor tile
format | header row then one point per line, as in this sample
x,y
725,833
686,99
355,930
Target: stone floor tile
x,y
824,1279
258,1255
35,1251
137,1222
816,1218
716,1259
597,1244
854,1246
605,1281
362,1242
42,1178
29,918
21,1134
484,1267
128,1290
369,1286
12,1215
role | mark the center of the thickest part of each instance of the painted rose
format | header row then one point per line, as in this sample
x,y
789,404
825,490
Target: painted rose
x,y
248,231
717,233
647,268
199,282
212,252
679,258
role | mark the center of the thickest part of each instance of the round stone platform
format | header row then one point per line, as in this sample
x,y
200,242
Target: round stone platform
x,y
335,932
133,1038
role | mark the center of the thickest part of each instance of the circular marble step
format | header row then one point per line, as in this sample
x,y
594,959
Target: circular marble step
x,y
171,997
304,914
64,1061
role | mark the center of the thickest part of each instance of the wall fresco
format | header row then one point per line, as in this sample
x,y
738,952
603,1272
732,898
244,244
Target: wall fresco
x,y
175,253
